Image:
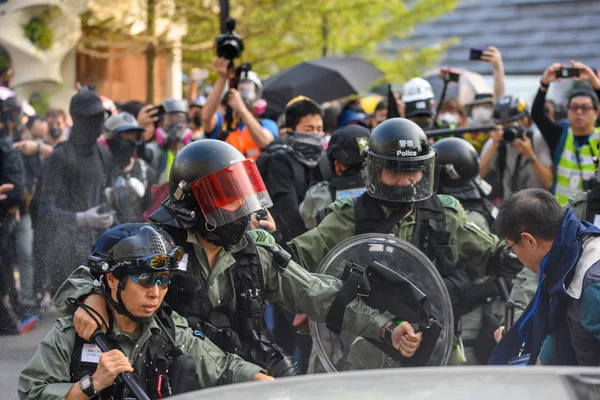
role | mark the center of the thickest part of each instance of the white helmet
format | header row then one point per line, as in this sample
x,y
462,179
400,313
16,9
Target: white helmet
x,y
417,89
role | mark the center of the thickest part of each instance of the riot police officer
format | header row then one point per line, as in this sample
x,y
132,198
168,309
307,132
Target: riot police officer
x,y
457,167
229,272
400,200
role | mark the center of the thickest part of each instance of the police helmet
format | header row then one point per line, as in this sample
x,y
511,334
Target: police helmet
x,y
347,145
214,178
510,108
134,248
400,162
456,160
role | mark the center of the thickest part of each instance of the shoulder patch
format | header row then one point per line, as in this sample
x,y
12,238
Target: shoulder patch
x,y
449,202
262,238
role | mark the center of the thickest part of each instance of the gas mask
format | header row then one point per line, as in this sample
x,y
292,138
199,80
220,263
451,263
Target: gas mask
x,y
226,235
175,128
248,94
481,115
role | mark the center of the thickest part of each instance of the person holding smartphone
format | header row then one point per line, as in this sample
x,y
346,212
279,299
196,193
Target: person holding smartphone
x,y
575,146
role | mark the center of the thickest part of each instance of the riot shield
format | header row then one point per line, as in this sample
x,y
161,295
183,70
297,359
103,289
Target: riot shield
x,y
391,275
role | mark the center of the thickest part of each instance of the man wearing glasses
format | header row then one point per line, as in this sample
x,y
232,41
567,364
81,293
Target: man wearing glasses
x,y
134,261
561,325
573,148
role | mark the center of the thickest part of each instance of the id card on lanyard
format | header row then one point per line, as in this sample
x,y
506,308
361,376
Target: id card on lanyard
x,y
522,359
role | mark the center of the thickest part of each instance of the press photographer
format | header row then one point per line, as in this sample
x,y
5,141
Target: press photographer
x,y
573,146
518,153
245,131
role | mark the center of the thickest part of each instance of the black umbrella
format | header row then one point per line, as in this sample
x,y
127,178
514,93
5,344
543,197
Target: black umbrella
x,y
322,80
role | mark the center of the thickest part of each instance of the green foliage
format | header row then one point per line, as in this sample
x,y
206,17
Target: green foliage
x,y
281,33
38,31
4,59
41,102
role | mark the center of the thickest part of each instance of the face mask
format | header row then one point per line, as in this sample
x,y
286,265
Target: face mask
x,y
308,147
174,134
425,124
197,121
481,115
86,130
227,235
55,133
12,115
122,151
449,118
248,97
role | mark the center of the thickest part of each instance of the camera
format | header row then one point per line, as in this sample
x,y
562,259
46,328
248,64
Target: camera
x,y
449,74
229,44
514,131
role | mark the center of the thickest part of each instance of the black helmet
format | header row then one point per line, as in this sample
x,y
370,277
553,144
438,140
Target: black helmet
x,y
348,144
510,108
400,162
214,178
135,251
130,247
457,161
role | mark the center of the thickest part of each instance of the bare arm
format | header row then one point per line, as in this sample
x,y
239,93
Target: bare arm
x,y
261,136
493,57
209,116
485,163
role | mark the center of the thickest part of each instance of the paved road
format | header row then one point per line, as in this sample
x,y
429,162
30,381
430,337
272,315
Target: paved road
x,y
15,352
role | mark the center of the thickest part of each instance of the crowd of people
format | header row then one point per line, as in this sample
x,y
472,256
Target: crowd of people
x,y
196,174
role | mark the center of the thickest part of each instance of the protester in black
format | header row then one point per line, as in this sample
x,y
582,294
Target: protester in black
x,y
74,181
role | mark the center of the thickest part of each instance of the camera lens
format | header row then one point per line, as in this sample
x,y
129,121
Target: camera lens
x,y
230,49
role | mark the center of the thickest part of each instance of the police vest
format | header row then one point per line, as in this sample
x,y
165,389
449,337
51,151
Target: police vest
x,y
238,326
429,236
472,199
574,165
161,369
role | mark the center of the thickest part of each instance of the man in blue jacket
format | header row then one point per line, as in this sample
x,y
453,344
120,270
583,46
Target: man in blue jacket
x,y
561,325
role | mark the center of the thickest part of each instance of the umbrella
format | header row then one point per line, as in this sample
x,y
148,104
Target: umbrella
x,y
322,80
469,84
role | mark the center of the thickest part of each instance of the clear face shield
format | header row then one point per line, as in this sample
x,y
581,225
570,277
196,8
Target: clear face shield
x,y
231,193
248,93
400,180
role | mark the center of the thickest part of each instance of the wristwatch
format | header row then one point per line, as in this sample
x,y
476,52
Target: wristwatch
x,y
87,386
388,333
533,159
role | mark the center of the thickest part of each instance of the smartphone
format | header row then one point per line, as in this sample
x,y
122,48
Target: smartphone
x,y
475,54
161,110
567,73
449,74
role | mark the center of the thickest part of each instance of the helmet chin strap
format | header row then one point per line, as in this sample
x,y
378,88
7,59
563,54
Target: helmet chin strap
x,y
119,306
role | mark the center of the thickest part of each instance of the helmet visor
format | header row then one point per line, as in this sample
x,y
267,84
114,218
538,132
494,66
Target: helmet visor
x,y
231,193
400,181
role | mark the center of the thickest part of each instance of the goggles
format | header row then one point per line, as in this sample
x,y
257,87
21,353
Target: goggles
x,y
156,262
149,279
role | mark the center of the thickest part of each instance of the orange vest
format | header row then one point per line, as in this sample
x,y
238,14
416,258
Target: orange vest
x,y
241,140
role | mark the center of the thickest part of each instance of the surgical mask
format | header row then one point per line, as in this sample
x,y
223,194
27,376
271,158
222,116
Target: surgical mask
x,y
449,118
481,115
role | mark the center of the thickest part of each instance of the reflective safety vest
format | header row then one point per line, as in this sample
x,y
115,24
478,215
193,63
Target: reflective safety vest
x,y
574,166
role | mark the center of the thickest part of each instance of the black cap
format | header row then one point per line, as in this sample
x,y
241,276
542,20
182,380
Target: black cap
x,y
481,98
419,107
86,103
347,145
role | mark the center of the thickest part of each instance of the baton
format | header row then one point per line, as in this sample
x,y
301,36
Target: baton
x,y
509,315
460,131
99,338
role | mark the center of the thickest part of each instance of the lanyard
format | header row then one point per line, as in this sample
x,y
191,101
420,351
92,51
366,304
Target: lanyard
x,y
530,314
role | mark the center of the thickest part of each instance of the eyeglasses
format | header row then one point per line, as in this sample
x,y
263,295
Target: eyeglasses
x,y
583,109
511,251
157,261
149,279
